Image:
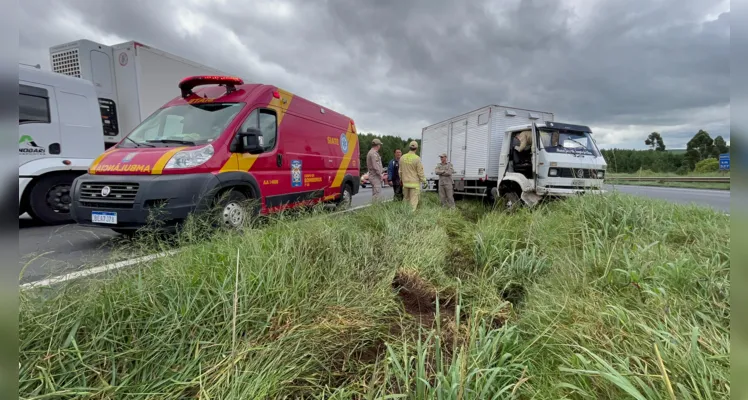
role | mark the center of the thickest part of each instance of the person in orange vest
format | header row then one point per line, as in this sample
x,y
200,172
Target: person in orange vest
x,y
412,175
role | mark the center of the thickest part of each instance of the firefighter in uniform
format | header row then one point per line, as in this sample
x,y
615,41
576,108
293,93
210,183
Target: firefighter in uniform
x,y
411,175
375,169
446,184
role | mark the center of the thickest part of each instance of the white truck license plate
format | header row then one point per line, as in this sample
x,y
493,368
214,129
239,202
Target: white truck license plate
x,y
577,182
104,217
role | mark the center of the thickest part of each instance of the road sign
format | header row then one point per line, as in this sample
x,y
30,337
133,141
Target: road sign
x,y
724,162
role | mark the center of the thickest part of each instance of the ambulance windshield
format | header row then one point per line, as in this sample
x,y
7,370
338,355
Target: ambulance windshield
x,y
191,124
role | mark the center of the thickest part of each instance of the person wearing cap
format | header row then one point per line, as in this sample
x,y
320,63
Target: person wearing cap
x,y
393,175
375,169
446,184
411,175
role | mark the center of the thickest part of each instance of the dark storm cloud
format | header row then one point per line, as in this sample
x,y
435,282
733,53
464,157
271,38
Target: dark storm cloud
x,y
396,66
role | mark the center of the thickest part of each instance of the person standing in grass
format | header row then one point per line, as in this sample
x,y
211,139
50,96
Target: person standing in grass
x,y
393,175
375,169
446,184
411,175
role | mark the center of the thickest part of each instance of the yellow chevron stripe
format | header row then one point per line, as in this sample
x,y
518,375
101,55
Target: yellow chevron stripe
x,y
158,168
97,161
352,142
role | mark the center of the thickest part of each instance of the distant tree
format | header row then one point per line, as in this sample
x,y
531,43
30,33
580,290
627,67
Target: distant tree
x,y
655,142
389,145
720,146
700,147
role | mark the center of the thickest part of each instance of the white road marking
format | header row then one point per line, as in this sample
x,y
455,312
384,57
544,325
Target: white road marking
x,y
97,270
130,262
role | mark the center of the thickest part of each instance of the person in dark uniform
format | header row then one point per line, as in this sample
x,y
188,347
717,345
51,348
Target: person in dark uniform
x,y
393,175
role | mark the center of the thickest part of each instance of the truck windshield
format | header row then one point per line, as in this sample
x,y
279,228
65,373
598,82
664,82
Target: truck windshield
x,y
189,124
572,142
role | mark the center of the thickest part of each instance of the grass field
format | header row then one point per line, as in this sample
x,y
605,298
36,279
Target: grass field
x,y
590,298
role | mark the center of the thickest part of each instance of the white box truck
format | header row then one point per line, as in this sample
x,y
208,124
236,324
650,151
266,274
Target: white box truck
x,y
131,79
482,147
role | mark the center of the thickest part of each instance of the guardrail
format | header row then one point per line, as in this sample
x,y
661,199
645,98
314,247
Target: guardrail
x,y
711,179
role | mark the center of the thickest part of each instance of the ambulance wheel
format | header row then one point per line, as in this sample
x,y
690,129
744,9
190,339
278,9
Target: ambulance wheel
x,y
346,198
232,209
50,199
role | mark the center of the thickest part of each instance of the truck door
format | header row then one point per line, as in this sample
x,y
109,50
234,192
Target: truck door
x,y
38,122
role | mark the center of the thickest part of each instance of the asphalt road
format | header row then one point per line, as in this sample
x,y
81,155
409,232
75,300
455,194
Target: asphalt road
x,y
49,251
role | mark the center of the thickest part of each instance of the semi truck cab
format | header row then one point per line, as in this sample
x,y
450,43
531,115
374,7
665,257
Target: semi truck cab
x,y
562,160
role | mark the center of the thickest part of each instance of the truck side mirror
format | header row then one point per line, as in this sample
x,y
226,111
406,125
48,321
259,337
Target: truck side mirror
x,y
250,141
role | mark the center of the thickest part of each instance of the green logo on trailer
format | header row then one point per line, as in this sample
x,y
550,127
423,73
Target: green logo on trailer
x,y
27,146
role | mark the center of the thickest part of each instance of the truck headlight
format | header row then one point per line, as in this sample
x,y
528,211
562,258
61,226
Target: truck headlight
x,y
600,174
190,158
553,172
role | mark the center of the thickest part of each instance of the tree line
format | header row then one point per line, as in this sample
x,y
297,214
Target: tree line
x,y
389,145
701,155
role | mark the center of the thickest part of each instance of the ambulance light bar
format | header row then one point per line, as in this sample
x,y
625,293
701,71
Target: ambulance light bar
x,y
187,84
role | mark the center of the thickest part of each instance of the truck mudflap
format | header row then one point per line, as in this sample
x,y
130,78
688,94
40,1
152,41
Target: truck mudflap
x,y
530,198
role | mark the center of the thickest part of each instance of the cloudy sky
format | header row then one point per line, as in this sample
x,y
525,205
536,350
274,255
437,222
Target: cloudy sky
x,y
624,67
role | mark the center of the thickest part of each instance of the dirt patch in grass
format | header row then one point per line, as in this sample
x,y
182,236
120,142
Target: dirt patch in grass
x,y
419,298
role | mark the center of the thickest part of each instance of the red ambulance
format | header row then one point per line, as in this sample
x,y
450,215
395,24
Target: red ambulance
x,y
221,146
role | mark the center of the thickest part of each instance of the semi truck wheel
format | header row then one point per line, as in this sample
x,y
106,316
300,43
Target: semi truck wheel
x,y
50,199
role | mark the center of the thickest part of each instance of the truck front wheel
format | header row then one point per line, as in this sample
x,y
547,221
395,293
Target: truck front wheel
x,y
50,199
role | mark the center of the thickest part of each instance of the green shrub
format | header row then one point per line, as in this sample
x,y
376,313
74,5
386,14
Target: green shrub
x,y
707,165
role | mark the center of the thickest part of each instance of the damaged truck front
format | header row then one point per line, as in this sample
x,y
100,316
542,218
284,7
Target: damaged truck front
x,y
518,155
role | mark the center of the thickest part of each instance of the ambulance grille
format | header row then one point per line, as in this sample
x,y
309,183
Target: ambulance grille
x,y
121,195
67,62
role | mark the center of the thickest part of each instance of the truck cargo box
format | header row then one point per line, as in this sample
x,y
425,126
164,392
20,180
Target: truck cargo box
x,y
132,80
473,140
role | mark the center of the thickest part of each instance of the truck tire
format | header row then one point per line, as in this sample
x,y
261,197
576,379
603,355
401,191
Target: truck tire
x,y
50,200
512,201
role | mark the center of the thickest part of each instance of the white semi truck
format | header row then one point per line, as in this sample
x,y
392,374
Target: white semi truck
x,y
132,79
562,160
92,98
59,136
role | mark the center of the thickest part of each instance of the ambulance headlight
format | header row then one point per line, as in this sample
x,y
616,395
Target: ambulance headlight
x,y
190,158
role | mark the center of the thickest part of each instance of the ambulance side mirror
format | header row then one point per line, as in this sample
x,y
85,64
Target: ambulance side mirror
x,y
250,141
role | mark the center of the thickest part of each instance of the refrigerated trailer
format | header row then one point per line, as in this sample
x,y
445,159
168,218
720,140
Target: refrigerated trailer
x,y
562,160
132,80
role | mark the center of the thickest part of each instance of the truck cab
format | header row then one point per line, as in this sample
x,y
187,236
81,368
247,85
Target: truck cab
x,y
59,135
560,159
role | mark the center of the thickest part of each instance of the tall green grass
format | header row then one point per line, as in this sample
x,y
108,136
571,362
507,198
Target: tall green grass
x,y
592,297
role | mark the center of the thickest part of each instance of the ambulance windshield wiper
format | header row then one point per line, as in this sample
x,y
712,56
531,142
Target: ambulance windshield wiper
x,y
138,144
177,141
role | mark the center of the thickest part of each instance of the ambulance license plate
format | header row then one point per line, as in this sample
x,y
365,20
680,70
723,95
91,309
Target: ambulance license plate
x,y
577,182
104,217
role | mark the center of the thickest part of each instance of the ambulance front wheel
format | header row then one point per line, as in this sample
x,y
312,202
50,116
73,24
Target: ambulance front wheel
x,y
234,209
